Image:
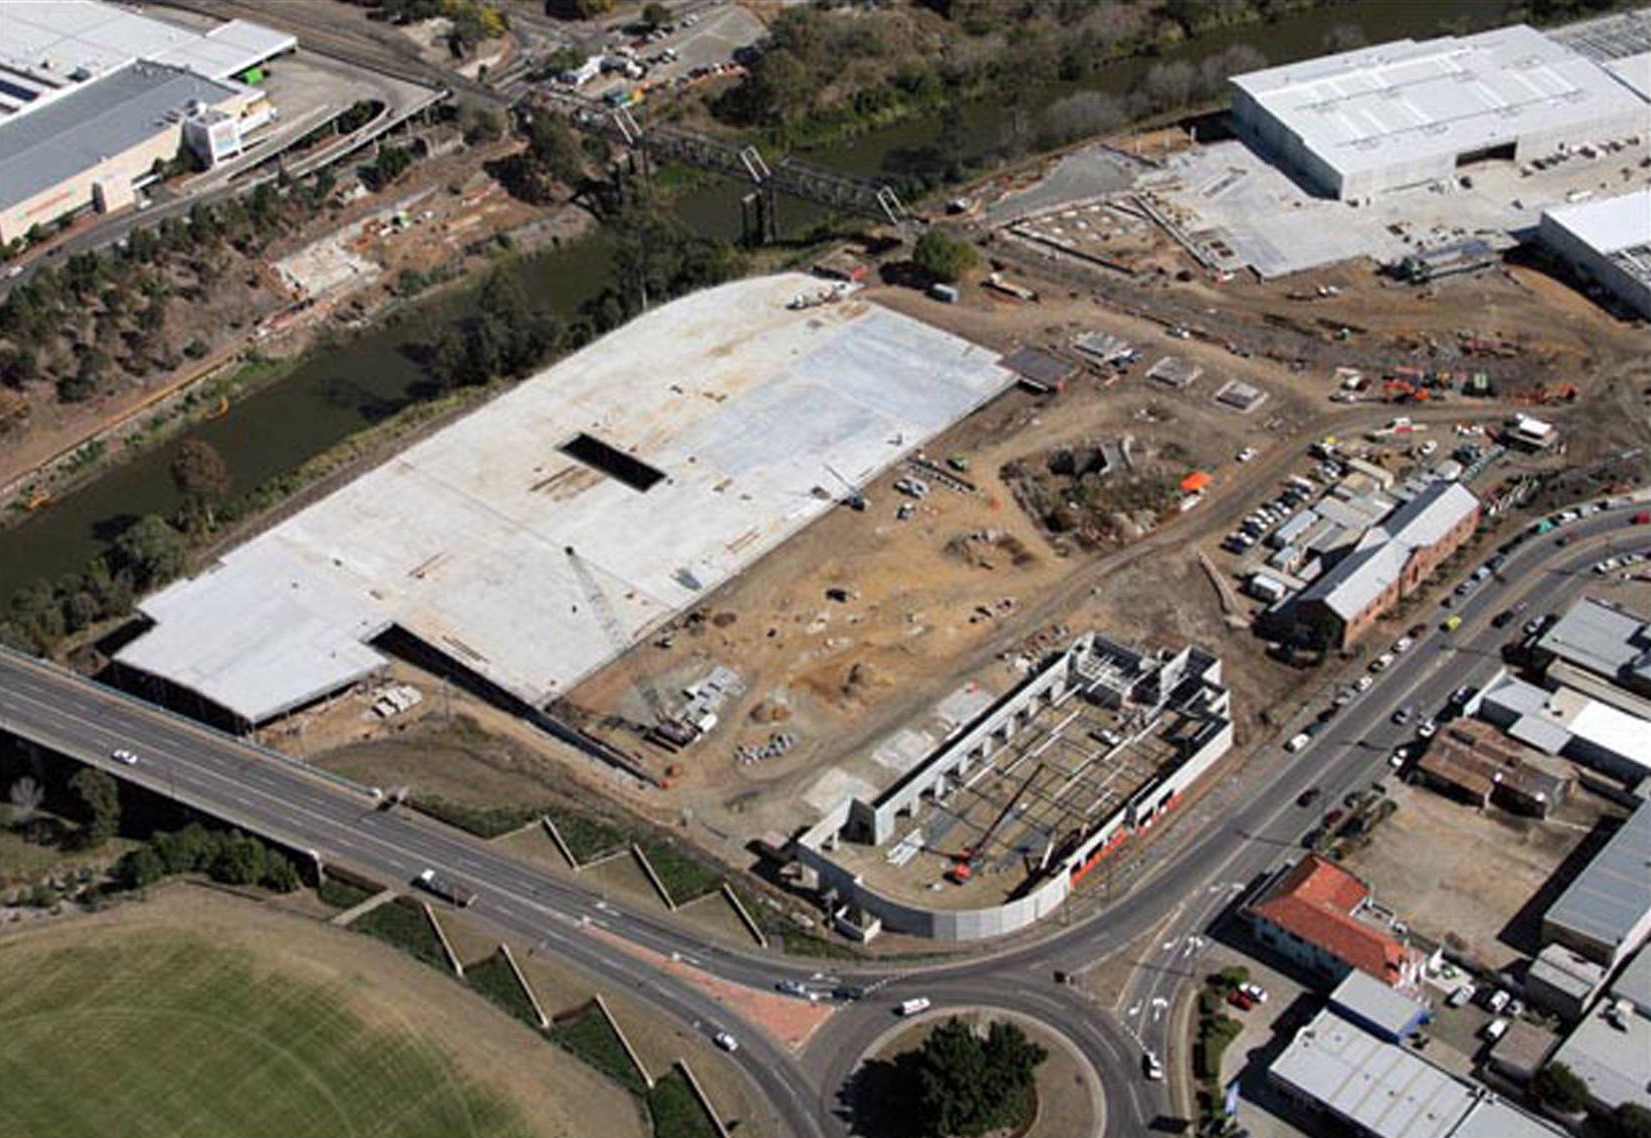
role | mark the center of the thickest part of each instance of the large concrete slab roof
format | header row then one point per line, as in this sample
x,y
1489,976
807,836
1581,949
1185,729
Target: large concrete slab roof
x,y
745,405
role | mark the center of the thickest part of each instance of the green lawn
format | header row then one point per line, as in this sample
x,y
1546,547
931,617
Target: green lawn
x,y
169,1034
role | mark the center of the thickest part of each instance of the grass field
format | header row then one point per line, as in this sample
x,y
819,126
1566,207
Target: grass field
x,y
133,1031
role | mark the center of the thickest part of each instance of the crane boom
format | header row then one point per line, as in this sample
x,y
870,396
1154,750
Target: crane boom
x,y
664,727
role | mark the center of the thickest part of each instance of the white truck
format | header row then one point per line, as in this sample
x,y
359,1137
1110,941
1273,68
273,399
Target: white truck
x,y
447,890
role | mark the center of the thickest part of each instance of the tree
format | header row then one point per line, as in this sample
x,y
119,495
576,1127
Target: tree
x,y
1561,1088
392,163
280,874
140,868
201,477
1633,1120
942,256
100,795
239,862
655,14
151,551
965,1085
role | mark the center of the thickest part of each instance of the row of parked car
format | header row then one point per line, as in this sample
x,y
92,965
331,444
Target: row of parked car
x,y
1297,490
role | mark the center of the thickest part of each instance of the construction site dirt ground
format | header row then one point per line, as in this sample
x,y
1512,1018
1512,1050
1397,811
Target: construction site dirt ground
x,y
1477,881
938,601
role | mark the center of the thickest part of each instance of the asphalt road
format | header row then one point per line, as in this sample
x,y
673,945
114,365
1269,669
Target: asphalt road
x,y
1179,897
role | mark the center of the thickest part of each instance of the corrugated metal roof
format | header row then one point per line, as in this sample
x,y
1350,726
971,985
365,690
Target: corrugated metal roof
x,y
1368,999
1611,897
1599,638
108,116
1360,577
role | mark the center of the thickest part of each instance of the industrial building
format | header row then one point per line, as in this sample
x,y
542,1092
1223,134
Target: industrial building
x,y
1605,912
532,541
1380,1089
1601,650
93,95
991,831
1323,918
1563,981
1389,562
1476,763
1608,242
1405,113
1383,1011
1611,1049
1567,722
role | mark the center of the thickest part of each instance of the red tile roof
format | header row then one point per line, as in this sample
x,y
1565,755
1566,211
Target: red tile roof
x,y
1316,901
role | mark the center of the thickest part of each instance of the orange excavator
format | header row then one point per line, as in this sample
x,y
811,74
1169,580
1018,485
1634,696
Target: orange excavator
x,y
963,861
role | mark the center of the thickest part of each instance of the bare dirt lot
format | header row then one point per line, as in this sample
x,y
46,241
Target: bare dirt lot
x,y
1467,879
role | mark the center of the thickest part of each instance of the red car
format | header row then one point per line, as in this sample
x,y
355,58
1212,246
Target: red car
x,y
1241,999
1641,518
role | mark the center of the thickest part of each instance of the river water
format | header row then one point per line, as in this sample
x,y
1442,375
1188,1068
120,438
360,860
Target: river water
x,y
333,394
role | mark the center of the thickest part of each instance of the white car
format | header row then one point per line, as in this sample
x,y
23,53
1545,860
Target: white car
x,y
1427,727
1255,991
1153,1068
121,755
1298,742
1402,645
1246,454
727,1042
1363,683
1381,663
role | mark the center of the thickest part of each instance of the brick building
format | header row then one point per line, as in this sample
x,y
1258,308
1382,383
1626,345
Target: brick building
x,y
1388,563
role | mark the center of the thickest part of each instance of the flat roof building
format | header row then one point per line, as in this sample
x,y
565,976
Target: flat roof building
x,y
669,455
1605,912
1406,113
1607,241
1563,981
91,144
92,94
1611,1049
1568,722
1381,1090
1378,1008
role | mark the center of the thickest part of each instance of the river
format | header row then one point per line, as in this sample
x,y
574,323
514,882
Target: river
x,y
332,395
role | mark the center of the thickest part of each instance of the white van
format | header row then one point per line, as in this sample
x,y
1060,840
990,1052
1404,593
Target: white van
x,y
913,1006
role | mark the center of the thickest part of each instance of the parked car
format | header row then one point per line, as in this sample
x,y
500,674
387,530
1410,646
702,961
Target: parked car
x,y
1363,684
1402,645
1255,991
1381,663
1426,728
1460,996
1309,796
1451,623
1239,1000
1298,742
1497,1001
1403,715
1495,1030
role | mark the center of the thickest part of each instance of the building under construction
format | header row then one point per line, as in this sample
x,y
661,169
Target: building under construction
x,y
992,830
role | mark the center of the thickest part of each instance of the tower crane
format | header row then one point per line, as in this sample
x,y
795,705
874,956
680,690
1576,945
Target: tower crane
x,y
666,730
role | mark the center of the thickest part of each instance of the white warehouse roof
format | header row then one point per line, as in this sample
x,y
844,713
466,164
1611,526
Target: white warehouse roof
x,y
1398,102
48,46
1609,225
741,408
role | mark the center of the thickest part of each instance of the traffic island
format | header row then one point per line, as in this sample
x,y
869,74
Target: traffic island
x,y
1063,1098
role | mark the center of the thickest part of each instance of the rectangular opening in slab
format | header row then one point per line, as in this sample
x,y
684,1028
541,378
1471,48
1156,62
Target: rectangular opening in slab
x,y
615,463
